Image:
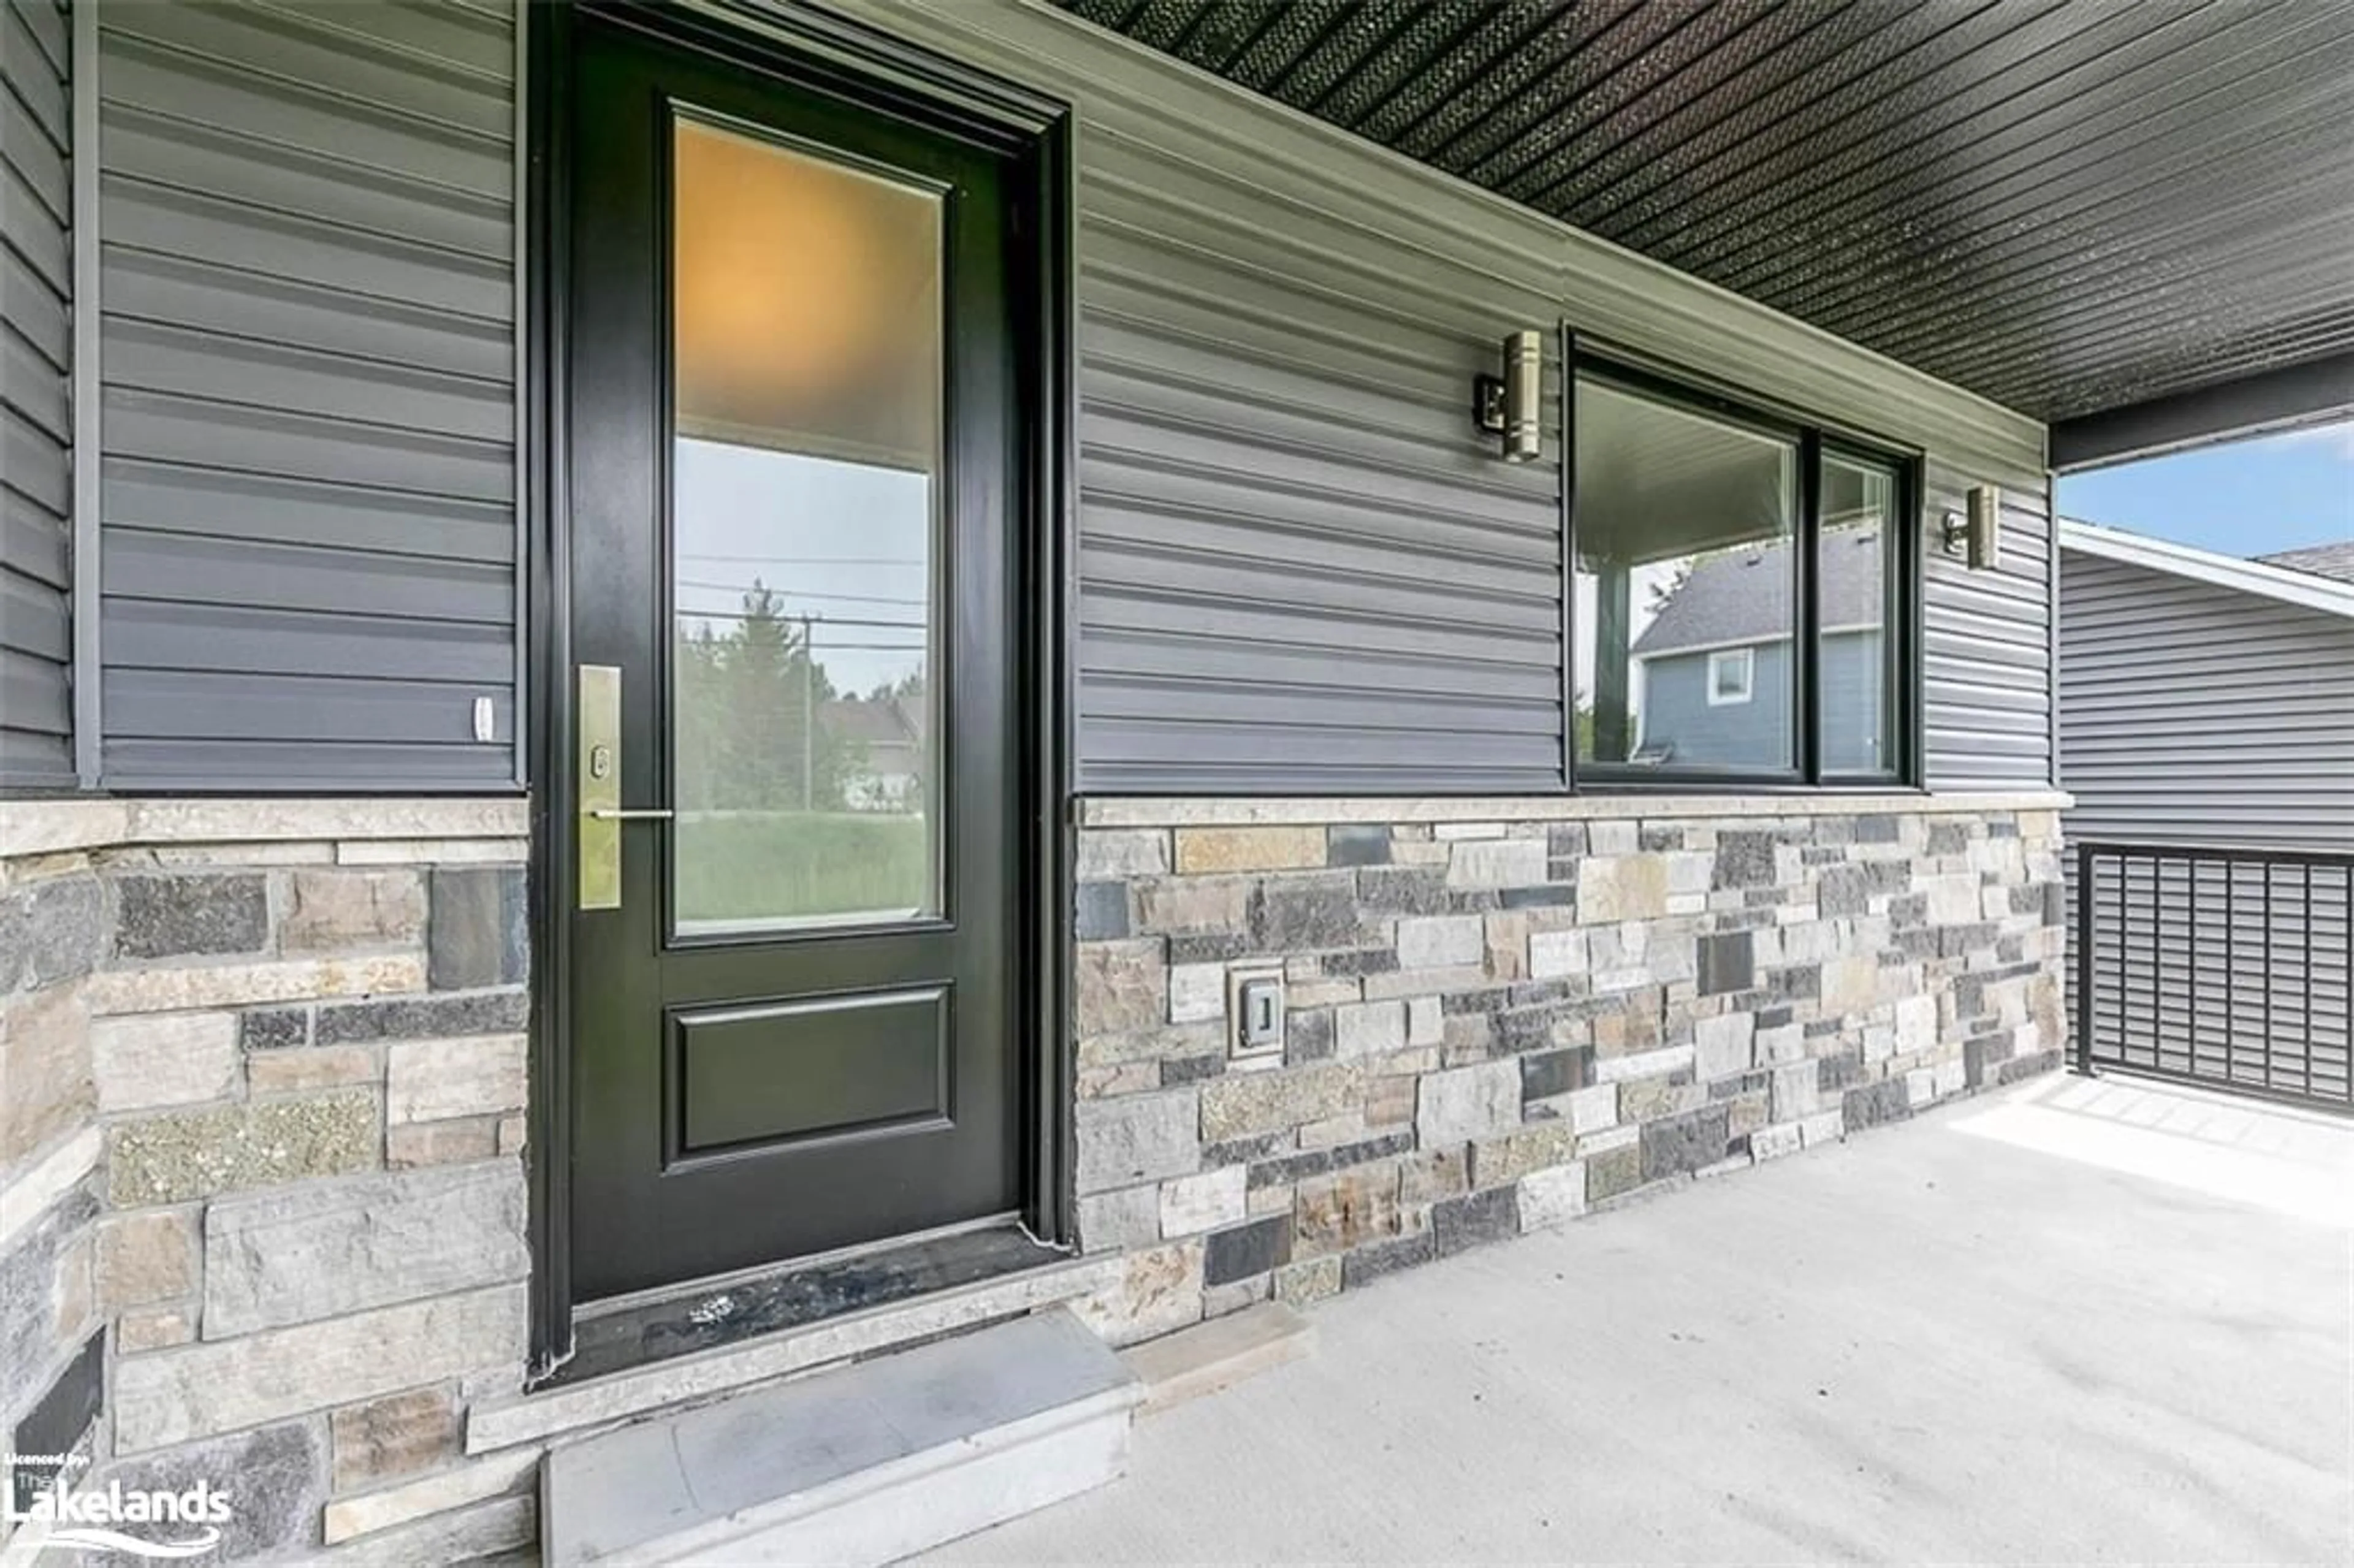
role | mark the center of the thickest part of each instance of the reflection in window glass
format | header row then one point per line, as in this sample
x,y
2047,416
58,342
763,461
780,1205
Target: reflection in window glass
x,y
1732,674
1853,566
804,704
1684,582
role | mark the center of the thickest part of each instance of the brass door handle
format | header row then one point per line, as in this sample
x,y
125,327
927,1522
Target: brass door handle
x,y
598,784
632,814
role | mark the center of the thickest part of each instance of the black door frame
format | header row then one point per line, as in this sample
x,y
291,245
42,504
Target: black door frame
x,y
809,51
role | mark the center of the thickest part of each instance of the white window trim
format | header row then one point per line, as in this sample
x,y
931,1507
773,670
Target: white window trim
x,y
1745,660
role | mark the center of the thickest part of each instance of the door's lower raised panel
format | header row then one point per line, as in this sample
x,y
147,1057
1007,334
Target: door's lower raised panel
x,y
766,1076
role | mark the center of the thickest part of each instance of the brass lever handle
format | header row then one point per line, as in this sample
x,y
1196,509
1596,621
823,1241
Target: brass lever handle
x,y
597,781
636,814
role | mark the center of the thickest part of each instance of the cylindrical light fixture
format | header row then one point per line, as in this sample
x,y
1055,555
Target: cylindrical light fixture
x,y
1511,406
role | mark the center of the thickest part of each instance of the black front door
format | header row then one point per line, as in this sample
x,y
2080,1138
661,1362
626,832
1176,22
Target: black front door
x,y
793,424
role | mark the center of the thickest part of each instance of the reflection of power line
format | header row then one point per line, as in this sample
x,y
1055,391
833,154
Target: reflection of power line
x,y
820,620
823,648
806,560
798,593
827,645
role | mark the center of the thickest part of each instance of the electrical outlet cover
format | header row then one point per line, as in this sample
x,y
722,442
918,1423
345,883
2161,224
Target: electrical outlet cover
x,y
1255,1008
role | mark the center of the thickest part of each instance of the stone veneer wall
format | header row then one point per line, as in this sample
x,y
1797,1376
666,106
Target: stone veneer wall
x,y
263,1090
51,940
1495,1023
262,1074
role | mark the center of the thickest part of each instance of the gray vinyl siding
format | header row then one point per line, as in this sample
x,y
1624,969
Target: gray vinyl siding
x,y
2195,713
1301,569
2192,714
307,280
35,396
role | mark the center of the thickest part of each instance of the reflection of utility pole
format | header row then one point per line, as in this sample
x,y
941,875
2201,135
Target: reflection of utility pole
x,y
1614,620
809,718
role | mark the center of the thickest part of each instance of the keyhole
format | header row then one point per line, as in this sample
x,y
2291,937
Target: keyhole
x,y
601,761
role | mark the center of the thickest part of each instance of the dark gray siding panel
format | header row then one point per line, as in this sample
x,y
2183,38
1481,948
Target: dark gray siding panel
x,y
1987,682
35,396
308,285
1300,570
2190,713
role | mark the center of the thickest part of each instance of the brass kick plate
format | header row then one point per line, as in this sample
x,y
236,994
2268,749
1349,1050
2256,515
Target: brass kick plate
x,y
596,780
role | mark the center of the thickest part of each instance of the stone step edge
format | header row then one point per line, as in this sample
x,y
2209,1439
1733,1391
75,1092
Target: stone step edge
x,y
699,1544
578,1410
1217,1353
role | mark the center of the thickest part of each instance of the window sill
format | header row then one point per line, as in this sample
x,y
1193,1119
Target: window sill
x,y
1164,812
65,824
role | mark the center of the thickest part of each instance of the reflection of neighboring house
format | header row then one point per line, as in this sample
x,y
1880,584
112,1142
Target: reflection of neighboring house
x,y
889,735
1711,675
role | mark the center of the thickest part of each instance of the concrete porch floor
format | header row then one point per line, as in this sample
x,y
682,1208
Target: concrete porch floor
x,y
2080,1321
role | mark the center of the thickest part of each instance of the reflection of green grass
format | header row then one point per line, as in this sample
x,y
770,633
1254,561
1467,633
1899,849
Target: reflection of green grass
x,y
755,865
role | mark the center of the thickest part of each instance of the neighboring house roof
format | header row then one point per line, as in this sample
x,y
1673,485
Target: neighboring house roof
x,y
2258,576
1744,597
2321,560
890,729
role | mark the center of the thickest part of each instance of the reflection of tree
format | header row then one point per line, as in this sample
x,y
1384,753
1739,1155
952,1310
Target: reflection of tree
x,y
1664,589
751,728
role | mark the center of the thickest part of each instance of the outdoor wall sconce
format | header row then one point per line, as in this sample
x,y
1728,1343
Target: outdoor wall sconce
x,y
1979,534
1511,406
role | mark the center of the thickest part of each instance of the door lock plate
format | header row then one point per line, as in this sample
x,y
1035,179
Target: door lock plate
x,y
597,839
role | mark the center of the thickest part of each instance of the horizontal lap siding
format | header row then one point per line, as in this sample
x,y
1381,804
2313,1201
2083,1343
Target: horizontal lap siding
x,y
309,487
1299,569
1986,673
35,396
2193,714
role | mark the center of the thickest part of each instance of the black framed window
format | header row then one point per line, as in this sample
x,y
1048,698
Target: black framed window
x,y
1860,609
1742,592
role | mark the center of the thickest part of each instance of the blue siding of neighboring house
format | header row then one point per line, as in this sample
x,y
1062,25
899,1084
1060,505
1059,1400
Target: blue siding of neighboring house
x,y
1749,735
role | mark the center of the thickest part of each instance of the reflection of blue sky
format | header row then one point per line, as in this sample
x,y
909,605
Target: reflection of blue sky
x,y
848,544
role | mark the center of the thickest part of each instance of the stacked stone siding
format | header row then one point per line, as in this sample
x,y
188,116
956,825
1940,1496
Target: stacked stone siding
x,y
277,1057
52,940
1493,1024
264,1068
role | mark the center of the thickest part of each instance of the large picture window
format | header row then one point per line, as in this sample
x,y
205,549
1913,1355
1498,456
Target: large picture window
x,y
1741,593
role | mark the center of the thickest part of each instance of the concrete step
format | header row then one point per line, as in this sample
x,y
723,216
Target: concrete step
x,y
866,1464
1217,1354
578,1409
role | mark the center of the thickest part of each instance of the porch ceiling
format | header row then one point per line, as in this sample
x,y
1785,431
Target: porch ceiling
x,y
2068,207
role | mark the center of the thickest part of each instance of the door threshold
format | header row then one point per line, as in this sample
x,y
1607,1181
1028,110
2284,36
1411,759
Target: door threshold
x,y
650,1327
